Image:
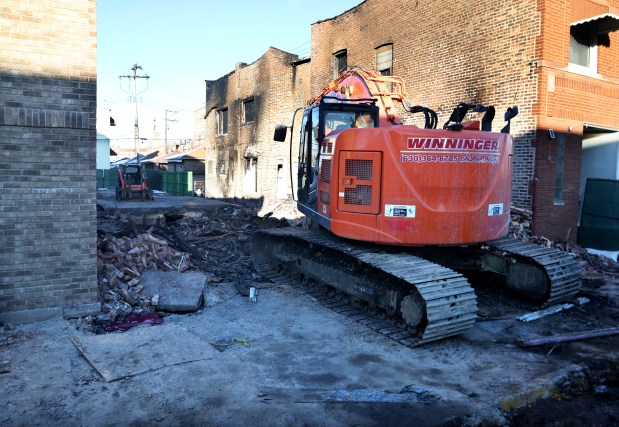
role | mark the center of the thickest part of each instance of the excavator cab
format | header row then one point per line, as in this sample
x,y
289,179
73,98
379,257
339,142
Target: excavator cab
x,y
319,123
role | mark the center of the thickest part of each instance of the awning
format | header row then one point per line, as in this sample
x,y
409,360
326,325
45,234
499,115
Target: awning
x,y
599,24
596,128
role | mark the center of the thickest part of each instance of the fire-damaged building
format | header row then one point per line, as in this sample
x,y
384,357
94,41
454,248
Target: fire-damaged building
x,y
242,162
554,60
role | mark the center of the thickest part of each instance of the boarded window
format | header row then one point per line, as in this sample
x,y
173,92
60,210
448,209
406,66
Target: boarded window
x,y
340,61
249,110
222,121
384,59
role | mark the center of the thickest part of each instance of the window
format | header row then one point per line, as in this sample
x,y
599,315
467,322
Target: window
x,y
210,167
583,49
586,36
222,121
340,61
559,169
384,59
249,110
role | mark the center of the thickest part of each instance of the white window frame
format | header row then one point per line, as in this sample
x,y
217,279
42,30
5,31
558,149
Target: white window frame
x,y
383,52
220,124
591,69
244,104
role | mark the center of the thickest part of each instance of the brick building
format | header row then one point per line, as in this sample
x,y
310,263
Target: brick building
x,y
48,143
555,59
242,108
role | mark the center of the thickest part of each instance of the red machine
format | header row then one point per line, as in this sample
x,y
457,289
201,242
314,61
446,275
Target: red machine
x,y
366,177
132,184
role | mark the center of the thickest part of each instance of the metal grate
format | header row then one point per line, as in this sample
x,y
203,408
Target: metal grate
x,y
325,171
325,198
361,169
360,195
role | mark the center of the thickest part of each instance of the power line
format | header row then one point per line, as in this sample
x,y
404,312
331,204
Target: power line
x,y
134,76
303,50
166,127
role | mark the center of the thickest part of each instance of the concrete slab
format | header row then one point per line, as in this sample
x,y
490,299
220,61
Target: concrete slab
x,y
81,310
31,315
159,205
177,292
39,314
122,355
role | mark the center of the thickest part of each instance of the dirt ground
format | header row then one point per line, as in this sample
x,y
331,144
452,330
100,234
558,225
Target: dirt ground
x,y
287,360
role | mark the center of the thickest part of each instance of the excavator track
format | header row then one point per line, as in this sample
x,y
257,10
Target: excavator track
x,y
561,273
423,301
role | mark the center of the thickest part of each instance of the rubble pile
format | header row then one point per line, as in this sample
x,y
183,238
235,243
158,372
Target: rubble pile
x,y
520,228
120,263
214,243
597,263
218,245
520,225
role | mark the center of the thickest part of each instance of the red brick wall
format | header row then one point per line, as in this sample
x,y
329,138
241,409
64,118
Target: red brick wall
x,y
608,60
554,219
565,101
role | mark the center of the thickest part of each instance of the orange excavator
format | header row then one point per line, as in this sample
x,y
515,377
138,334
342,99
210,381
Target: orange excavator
x,y
397,214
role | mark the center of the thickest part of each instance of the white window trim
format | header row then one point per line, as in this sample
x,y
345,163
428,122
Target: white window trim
x,y
244,112
592,69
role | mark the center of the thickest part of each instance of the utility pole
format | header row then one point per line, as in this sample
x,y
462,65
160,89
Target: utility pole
x,y
136,131
166,128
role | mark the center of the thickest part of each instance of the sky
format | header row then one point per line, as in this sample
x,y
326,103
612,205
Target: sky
x,y
180,44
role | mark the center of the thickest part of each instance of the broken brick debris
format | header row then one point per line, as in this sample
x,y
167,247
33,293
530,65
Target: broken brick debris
x,y
217,244
520,228
214,243
122,260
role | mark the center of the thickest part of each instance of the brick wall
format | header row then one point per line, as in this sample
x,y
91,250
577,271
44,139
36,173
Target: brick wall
x,y
492,53
47,146
277,88
554,218
566,100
